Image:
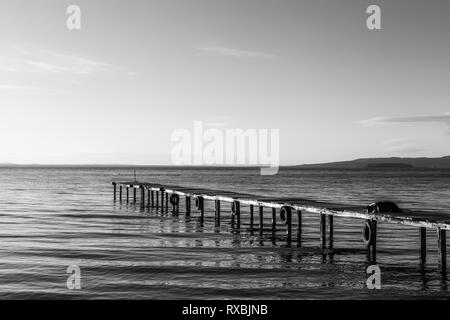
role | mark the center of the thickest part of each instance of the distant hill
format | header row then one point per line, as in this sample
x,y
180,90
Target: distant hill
x,y
394,162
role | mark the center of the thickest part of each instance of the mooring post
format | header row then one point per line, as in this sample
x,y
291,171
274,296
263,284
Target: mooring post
x,y
175,202
152,199
167,202
202,214
274,220
142,196
323,231
261,219
330,226
120,193
423,244
188,206
157,198
251,217
148,198
373,243
162,200
238,214
286,212
115,187
201,207
134,195
442,248
128,194
299,228
233,213
217,215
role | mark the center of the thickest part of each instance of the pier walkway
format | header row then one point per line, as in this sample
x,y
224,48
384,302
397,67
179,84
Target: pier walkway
x,y
288,212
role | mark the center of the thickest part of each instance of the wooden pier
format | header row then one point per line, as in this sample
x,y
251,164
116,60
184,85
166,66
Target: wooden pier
x,y
288,212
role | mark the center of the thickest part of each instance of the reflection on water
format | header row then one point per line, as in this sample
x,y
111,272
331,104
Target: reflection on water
x,y
53,218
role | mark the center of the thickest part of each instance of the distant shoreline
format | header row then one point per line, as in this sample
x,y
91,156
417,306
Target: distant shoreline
x,y
364,163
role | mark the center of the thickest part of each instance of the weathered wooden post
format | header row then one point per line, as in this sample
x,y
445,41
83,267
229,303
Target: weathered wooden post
x,y
167,202
142,196
134,195
200,205
128,194
274,221
370,238
251,218
217,214
175,202
120,193
157,198
261,219
330,226
149,204
236,213
115,189
188,206
423,244
162,199
286,218
299,228
323,231
442,249
233,215
152,198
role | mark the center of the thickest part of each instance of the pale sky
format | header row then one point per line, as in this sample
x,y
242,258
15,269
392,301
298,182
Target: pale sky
x,y
114,91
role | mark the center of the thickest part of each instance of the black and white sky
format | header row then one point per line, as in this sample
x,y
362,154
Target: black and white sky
x,y
114,91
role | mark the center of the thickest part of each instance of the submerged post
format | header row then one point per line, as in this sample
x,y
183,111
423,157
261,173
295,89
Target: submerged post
x,y
238,214
286,218
157,198
128,194
188,206
251,218
423,244
217,215
167,202
175,202
370,239
115,189
152,199
323,231
162,200
442,246
148,198
274,221
120,193
202,211
261,219
134,195
330,226
200,205
299,228
142,196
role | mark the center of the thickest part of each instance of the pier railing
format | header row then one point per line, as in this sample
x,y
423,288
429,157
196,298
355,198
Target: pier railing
x,y
284,209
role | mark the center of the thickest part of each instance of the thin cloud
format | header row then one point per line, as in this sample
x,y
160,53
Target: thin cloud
x,y
235,53
445,118
48,62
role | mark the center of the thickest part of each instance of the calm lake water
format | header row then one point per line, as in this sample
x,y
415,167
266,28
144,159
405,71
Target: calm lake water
x,y
53,218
